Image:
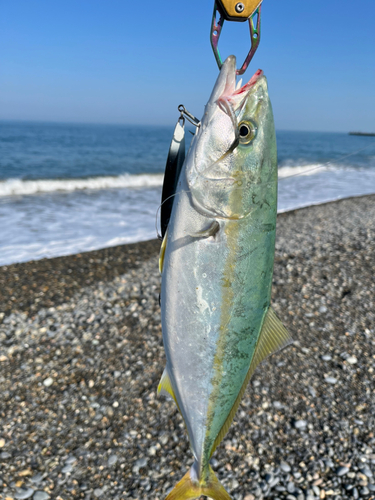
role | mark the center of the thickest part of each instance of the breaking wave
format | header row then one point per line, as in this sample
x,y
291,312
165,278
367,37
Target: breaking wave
x,y
19,187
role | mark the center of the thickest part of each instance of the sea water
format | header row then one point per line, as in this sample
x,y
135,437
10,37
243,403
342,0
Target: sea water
x,y
67,188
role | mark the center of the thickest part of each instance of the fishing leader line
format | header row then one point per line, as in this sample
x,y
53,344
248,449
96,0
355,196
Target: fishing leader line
x,y
328,163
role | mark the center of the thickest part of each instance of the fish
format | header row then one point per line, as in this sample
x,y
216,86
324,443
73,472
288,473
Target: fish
x,y
216,264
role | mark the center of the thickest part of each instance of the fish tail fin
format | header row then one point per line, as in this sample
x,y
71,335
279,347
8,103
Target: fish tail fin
x,y
190,488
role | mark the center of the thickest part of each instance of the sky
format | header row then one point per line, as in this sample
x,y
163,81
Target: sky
x,y
134,62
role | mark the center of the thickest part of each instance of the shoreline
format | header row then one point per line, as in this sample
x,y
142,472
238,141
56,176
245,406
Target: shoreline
x,y
80,362
26,286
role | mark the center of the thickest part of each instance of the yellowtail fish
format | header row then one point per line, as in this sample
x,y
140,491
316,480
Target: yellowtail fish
x,y
217,263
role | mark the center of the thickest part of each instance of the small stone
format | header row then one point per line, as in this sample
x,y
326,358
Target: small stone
x,y
249,497
285,467
91,384
274,482
366,471
326,357
112,460
2,443
352,360
268,477
322,309
312,391
316,491
4,455
98,492
67,469
22,494
139,464
355,493
331,380
163,439
235,484
341,471
38,478
41,495
291,487
48,382
300,424
364,491
152,452
3,358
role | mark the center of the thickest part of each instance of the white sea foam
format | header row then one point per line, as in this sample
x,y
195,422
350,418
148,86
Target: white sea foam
x,y
19,187
33,227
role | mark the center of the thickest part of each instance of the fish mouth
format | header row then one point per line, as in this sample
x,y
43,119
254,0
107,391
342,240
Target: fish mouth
x,y
233,91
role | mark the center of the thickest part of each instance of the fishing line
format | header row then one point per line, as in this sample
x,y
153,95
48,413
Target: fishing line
x,y
157,212
328,163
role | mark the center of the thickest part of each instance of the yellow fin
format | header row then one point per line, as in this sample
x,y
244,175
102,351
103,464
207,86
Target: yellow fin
x,y
188,489
273,337
162,252
165,386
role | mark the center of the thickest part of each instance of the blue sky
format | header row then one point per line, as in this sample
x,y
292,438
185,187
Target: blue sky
x,y
110,62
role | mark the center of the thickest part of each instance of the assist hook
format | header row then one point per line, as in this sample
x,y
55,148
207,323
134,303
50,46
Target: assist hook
x,y
232,10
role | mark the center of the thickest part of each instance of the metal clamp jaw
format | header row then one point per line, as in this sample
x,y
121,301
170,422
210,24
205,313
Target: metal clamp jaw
x,y
234,10
238,10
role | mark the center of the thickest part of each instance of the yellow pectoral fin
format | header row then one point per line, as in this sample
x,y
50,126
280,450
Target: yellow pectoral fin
x,y
162,252
165,386
273,337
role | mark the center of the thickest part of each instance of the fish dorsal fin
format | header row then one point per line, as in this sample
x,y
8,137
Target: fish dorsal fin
x,y
162,252
165,386
273,337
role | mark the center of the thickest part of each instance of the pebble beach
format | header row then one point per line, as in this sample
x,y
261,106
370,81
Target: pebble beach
x,y
81,356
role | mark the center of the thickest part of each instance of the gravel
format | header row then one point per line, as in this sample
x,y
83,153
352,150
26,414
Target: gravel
x,y
81,356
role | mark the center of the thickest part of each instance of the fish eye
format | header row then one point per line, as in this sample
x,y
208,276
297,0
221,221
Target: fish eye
x,y
246,131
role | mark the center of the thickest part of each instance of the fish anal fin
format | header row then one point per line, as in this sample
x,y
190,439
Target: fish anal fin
x,y
273,337
162,252
189,488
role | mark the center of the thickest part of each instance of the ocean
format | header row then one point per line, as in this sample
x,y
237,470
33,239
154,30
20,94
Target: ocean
x,y
69,188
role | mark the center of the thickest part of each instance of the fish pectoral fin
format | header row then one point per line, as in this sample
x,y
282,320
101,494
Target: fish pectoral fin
x,y
162,252
189,488
206,233
165,386
273,337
